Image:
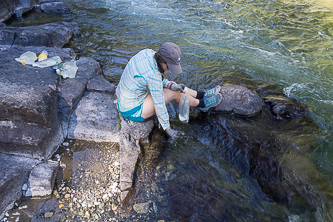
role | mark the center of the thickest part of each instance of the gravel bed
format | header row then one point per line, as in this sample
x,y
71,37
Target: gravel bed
x,y
87,188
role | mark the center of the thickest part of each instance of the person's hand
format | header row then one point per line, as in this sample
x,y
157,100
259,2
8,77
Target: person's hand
x,y
172,134
177,87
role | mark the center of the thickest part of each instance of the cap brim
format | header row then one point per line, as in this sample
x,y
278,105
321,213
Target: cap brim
x,y
175,69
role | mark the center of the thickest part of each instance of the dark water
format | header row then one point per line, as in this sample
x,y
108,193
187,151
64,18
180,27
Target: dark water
x,y
207,176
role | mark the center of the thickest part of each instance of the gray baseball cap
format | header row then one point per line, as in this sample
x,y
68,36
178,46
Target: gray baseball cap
x,y
171,54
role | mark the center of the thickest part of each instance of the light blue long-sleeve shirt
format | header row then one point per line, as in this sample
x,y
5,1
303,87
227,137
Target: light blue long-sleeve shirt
x,y
141,77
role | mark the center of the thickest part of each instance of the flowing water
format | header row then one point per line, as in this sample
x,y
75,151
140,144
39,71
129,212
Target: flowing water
x,y
288,43
285,42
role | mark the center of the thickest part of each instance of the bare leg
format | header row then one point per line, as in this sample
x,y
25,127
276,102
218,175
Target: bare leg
x,y
175,95
192,92
148,109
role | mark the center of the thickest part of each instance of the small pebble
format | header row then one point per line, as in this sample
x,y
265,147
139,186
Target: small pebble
x,y
87,214
105,196
114,207
48,215
65,143
23,207
25,186
67,195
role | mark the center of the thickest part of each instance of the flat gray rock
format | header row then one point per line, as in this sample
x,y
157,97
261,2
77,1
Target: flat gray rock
x,y
95,119
71,91
88,68
100,84
42,178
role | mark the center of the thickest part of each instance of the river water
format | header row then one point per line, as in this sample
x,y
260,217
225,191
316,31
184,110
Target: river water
x,y
284,42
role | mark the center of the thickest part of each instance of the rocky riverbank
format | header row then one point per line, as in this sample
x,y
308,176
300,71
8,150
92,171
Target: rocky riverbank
x,y
47,121
39,107
87,187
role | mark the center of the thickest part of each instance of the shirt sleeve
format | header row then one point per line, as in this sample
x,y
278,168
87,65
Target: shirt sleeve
x,y
155,86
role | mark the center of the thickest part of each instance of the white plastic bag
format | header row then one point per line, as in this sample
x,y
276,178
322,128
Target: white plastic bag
x,y
27,58
67,69
55,60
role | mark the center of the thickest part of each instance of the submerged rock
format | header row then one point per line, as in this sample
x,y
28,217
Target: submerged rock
x,y
55,8
272,148
286,108
241,166
142,208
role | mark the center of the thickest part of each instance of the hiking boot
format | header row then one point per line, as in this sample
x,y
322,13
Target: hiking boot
x,y
212,92
211,102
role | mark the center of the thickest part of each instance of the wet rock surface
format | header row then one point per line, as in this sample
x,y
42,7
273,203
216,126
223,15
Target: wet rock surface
x,y
264,147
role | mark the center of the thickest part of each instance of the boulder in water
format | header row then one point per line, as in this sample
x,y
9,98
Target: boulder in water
x,y
239,100
55,8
